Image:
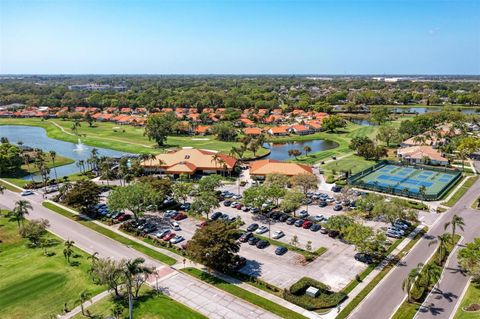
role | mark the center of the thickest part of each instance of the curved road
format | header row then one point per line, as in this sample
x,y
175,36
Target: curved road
x,y
204,298
383,301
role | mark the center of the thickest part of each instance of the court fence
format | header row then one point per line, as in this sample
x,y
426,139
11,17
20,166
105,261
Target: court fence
x,y
355,180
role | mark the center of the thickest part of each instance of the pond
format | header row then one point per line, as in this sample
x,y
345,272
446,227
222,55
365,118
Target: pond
x,y
279,151
363,122
422,110
36,137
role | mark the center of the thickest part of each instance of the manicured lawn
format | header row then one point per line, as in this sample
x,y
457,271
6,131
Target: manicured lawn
x,y
106,232
125,138
33,285
471,296
10,187
351,163
149,306
461,191
244,294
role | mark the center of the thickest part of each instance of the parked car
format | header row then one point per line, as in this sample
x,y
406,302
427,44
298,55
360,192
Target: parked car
x,y
185,206
336,189
254,210
227,203
393,234
26,193
252,227
177,239
322,204
283,218
324,231
333,233
245,237
278,234
364,258
303,214
216,215
253,240
291,220
299,222
315,227
245,208
149,228
179,216
169,236
170,213
123,217
280,250
262,230
396,230
318,218
400,225
337,207
307,224
176,226
262,244
162,233
239,262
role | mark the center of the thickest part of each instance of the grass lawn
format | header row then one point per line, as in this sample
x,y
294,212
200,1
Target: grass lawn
x,y
106,232
244,294
351,163
10,187
150,305
461,191
33,285
125,138
471,296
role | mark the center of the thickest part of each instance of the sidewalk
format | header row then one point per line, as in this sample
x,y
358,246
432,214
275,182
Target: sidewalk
x,y
86,304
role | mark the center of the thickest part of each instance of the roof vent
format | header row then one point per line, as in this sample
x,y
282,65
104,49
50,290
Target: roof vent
x,y
187,156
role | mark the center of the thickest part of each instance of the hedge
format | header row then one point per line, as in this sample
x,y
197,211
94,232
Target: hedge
x,y
326,299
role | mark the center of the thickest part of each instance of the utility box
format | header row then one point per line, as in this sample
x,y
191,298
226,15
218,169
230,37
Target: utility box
x,y
312,291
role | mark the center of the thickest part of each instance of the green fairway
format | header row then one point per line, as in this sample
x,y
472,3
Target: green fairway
x,y
124,138
352,163
33,285
149,306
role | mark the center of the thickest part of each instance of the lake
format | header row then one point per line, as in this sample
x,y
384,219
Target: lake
x,y
36,137
422,110
279,151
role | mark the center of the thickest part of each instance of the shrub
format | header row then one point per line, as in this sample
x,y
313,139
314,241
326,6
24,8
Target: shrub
x,y
326,298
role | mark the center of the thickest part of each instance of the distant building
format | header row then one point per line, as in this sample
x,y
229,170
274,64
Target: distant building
x,y
422,154
96,87
261,168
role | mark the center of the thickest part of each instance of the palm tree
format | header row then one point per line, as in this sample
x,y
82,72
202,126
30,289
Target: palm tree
x,y
82,299
131,269
26,159
409,282
442,241
68,250
431,273
21,209
456,221
53,156
422,190
307,149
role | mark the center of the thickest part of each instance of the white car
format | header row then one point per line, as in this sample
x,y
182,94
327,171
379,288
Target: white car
x,y
278,234
26,193
262,230
319,218
176,226
176,239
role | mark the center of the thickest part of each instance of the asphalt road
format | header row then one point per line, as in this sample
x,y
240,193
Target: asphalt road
x,y
206,299
383,301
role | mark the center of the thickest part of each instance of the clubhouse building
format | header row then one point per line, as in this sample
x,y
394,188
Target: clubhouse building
x,y
190,161
261,168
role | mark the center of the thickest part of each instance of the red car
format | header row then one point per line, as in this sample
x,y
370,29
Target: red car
x,y
307,224
180,216
202,224
239,206
123,217
169,236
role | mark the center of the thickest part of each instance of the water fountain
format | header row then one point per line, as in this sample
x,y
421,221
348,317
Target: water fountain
x,y
79,147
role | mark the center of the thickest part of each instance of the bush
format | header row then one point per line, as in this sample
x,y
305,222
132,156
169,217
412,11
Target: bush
x,y
326,299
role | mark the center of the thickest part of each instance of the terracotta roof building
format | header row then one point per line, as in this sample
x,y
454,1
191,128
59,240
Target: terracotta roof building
x,y
252,131
421,155
191,161
261,168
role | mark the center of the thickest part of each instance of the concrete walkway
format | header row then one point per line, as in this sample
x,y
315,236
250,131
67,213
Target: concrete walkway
x,y
75,311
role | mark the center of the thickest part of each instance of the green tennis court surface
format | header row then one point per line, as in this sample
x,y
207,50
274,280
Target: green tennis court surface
x,y
402,179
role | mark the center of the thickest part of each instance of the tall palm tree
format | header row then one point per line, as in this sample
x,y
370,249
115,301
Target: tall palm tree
x,y
21,209
82,299
68,250
442,241
26,159
431,273
456,221
409,282
53,156
131,269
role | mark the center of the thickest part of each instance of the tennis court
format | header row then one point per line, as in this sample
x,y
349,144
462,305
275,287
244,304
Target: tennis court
x,y
408,180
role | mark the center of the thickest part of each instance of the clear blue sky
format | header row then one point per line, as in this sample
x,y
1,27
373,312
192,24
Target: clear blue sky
x,y
240,36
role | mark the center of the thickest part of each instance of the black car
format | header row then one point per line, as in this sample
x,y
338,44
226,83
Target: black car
x,y
227,203
322,204
333,233
149,228
299,222
252,227
315,227
275,216
337,207
364,258
216,215
244,238
239,262
185,206
280,250
283,218
253,240
254,210
291,220
336,189
262,244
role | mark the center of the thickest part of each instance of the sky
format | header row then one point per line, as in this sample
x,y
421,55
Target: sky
x,y
239,37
